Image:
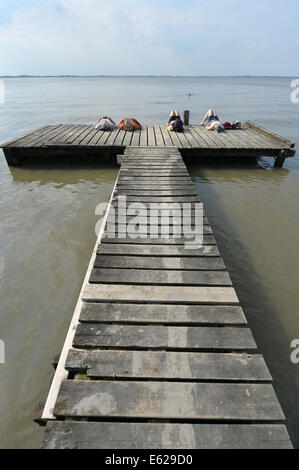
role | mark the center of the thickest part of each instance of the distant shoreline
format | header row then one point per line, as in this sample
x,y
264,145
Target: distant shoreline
x,y
148,76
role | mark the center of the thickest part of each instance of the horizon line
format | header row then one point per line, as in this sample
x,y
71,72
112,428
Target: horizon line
x,y
145,76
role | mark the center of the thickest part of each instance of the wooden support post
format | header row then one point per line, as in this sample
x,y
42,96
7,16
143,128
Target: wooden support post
x,y
37,414
186,117
279,160
55,361
11,157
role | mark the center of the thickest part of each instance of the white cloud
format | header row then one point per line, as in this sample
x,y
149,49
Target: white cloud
x,y
134,37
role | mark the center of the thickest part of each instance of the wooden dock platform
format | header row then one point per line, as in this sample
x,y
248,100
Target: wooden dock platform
x,y
159,353
84,140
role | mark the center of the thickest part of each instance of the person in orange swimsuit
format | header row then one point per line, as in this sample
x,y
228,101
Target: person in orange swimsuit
x,y
129,124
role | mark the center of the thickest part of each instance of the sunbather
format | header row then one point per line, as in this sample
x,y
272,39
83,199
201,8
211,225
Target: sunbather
x,y
105,123
213,122
175,122
129,124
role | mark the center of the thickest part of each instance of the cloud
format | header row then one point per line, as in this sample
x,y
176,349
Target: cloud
x,y
92,36
137,37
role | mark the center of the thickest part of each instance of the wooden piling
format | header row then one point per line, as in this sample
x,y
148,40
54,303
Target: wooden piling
x,y
186,117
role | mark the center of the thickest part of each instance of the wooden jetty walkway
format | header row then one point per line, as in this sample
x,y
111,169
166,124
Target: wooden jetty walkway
x,y
84,140
159,353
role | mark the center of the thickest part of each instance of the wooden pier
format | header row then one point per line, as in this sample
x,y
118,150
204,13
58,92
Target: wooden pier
x,y
159,353
84,140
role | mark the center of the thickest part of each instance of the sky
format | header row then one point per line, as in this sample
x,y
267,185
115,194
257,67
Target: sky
x,y
137,37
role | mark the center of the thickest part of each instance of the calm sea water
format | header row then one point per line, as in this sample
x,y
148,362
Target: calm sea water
x,y
47,220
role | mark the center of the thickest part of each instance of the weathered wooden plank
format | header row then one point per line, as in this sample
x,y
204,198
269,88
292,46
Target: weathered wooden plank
x,y
150,153
104,138
155,262
229,140
117,218
44,136
136,162
152,150
253,139
28,136
152,160
159,137
166,136
184,199
93,137
162,198
152,174
162,313
143,138
158,192
238,137
154,157
152,163
262,141
136,137
96,137
154,229
191,138
183,140
159,294
160,168
119,138
154,186
89,136
177,168
210,136
269,134
81,135
201,142
158,179
31,134
180,205
65,136
166,337
156,250
169,365
175,139
166,400
109,435
146,239
112,137
173,171
159,277
151,136
128,138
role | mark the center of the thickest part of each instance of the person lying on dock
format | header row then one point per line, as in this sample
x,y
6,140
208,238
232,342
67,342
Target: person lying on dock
x,y
129,124
175,122
105,123
213,122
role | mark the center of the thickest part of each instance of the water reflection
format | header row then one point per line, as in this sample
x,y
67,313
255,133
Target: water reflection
x,y
65,172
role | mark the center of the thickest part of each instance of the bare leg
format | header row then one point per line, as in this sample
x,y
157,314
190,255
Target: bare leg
x,y
174,112
211,112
